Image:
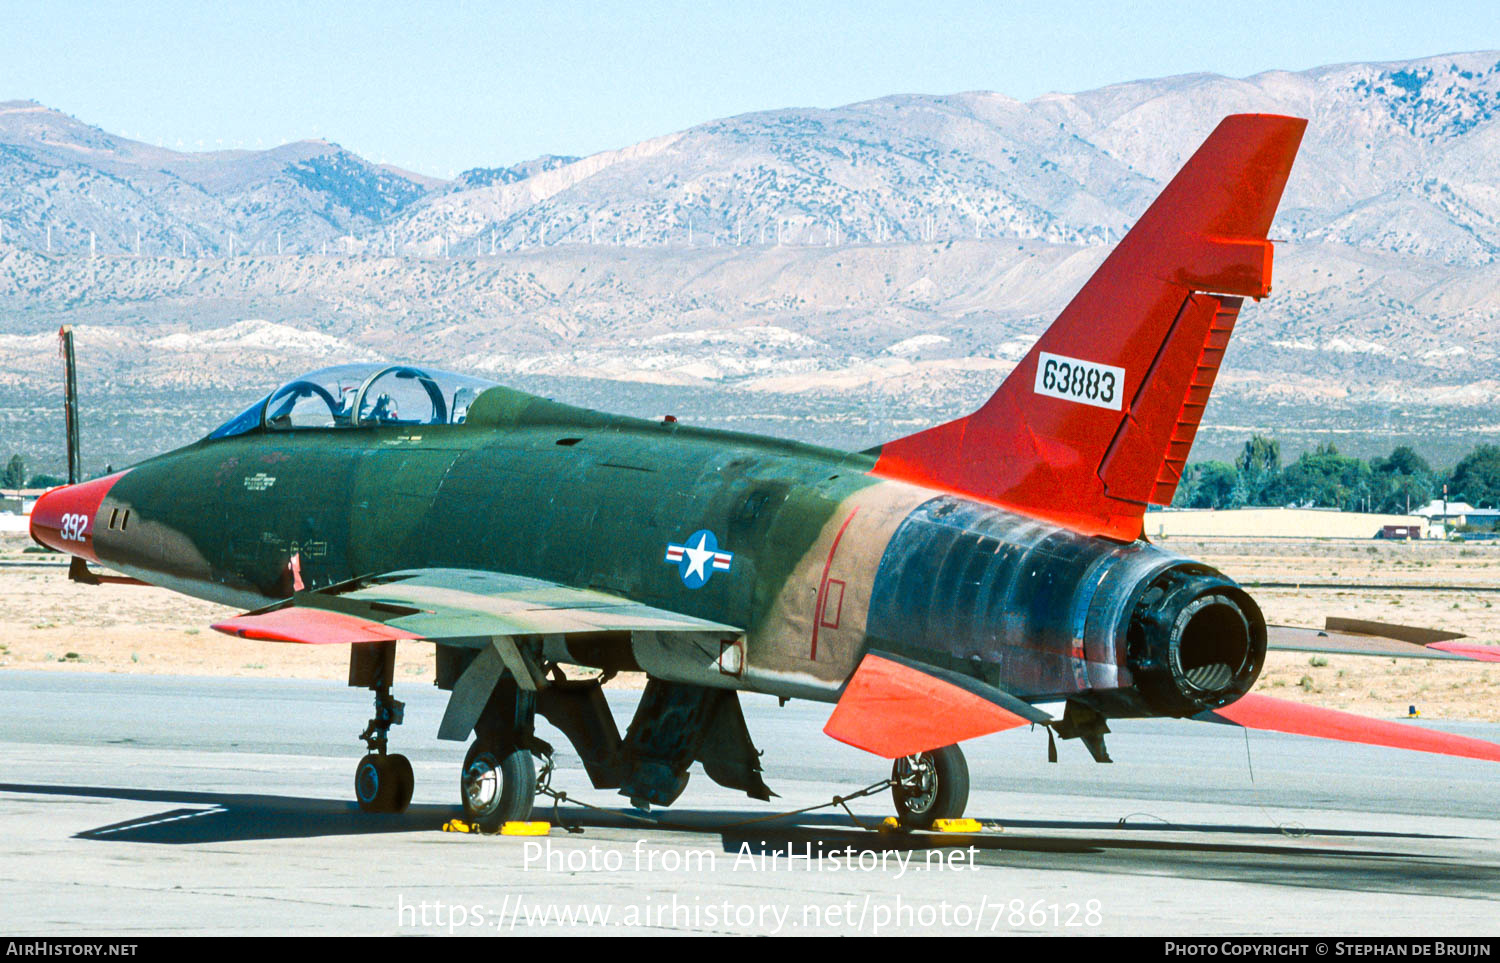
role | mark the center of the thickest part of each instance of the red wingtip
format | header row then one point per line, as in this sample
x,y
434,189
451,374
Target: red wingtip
x,y
310,627
1474,650
1278,715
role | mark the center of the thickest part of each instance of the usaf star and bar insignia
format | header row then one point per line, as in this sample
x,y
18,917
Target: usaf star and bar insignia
x,y
698,559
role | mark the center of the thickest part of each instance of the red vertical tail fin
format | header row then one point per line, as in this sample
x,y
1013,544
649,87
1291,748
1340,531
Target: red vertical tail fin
x,y
1097,420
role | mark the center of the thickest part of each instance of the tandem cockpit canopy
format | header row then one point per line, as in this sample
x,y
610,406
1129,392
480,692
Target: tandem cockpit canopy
x,y
361,396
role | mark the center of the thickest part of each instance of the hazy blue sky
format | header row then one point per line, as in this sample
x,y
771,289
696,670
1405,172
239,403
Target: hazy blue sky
x,y
439,87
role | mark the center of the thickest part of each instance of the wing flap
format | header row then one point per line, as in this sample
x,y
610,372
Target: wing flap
x,y
893,707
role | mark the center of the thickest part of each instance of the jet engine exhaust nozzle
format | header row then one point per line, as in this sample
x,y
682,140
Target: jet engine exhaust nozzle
x,y
1196,641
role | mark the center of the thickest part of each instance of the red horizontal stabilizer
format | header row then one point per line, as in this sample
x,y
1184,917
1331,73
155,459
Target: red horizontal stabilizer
x,y
1474,650
893,708
310,627
1096,421
1277,715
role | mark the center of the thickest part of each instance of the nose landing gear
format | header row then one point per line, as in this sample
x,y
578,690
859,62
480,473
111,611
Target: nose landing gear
x,y
383,783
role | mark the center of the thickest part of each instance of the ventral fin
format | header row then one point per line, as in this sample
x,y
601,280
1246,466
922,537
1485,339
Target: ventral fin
x,y
895,707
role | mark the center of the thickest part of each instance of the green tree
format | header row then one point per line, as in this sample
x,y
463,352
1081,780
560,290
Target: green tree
x,y
1258,465
1327,479
15,473
1476,479
1210,484
1404,460
45,481
1403,481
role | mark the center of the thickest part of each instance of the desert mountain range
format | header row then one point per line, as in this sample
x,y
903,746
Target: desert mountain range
x,y
832,274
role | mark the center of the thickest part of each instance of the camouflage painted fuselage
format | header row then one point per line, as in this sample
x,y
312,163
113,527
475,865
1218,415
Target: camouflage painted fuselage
x,y
827,560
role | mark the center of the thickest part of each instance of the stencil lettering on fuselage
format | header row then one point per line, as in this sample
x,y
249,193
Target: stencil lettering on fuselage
x,y
1087,382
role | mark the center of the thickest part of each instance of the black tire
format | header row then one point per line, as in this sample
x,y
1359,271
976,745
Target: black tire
x,y
930,786
376,784
405,780
497,785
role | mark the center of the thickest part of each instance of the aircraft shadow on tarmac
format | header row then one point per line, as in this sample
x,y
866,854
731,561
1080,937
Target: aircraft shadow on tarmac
x,y
1293,858
210,817
1312,857
1297,861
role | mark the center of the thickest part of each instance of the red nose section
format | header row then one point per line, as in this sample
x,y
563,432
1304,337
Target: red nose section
x,y
64,517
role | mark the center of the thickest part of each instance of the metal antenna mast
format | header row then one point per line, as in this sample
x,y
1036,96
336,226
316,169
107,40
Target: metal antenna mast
x,y
70,403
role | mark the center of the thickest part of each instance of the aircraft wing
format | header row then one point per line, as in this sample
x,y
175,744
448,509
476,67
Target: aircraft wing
x,y
1356,637
442,604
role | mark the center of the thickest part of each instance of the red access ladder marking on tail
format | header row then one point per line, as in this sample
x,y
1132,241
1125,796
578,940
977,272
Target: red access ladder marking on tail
x,y
1196,401
1145,458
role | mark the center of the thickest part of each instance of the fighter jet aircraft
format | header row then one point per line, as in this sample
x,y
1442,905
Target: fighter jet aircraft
x,y
984,574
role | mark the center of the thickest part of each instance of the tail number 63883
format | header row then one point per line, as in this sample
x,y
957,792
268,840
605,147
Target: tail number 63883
x,y
1070,379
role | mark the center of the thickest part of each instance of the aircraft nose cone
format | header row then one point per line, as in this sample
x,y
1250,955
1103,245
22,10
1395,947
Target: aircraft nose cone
x,y
63,518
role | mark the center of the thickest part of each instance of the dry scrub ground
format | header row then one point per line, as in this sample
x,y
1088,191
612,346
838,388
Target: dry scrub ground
x,y
47,622
1373,687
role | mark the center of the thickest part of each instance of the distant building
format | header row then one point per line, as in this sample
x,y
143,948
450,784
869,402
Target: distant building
x,y
15,509
24,498
1453,514
1277,523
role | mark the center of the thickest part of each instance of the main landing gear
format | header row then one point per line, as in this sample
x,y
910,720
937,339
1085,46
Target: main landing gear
x,y
930,786
498,782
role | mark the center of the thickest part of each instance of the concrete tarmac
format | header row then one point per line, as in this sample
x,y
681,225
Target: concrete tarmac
x,y
160,805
